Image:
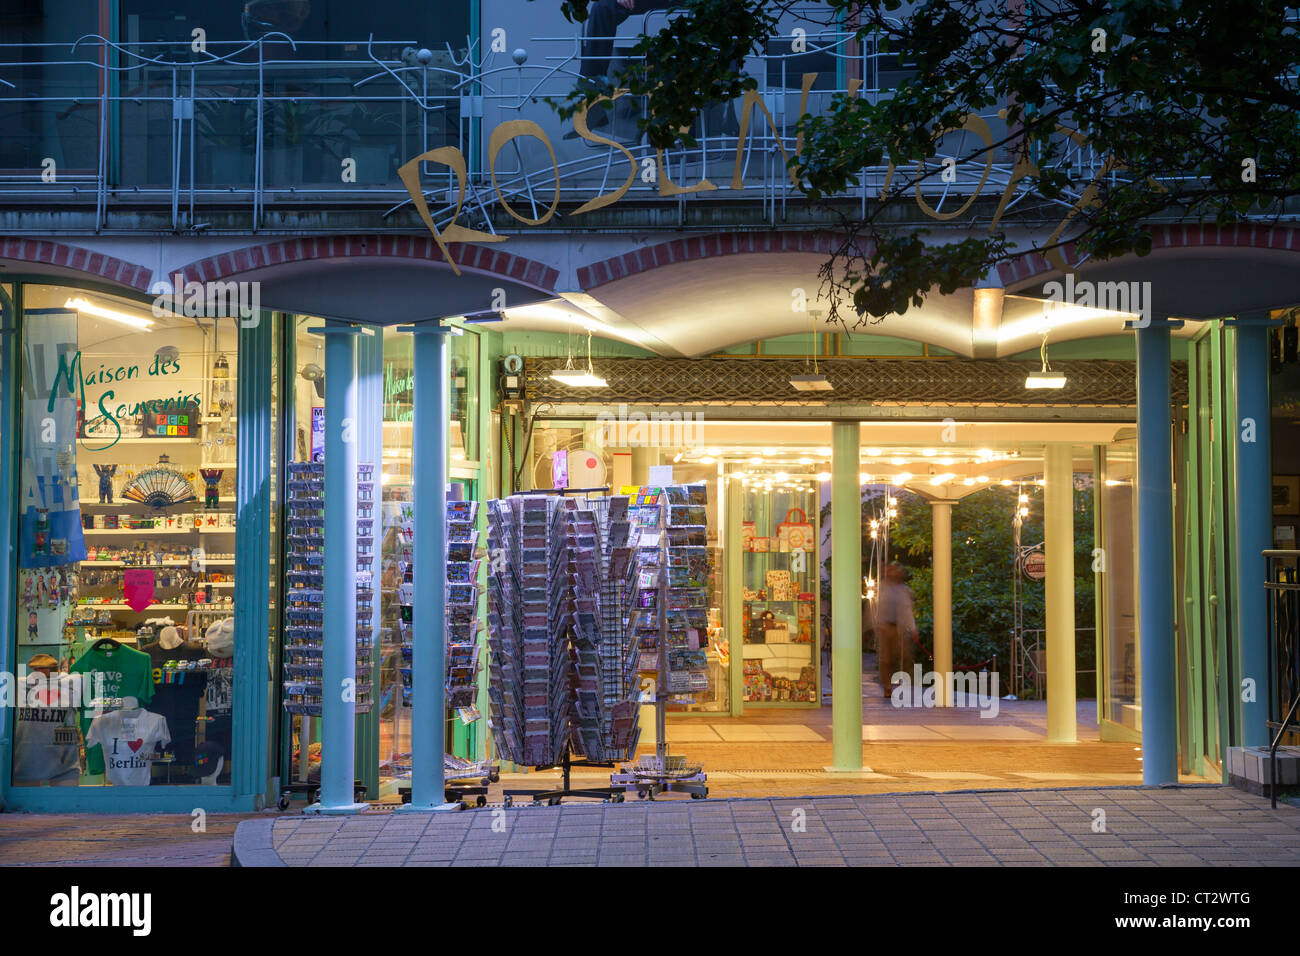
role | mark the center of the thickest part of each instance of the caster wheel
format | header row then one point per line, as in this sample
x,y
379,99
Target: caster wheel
x,y
283,803
620,799
494,776
536,803
640,794
553,802
508,801
481,801
697,796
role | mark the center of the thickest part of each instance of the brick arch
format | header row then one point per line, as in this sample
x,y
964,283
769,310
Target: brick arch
x,y
1191,236
97,264
702,247
479,258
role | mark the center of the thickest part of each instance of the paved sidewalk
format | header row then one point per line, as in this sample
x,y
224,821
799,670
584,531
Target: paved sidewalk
x,y
126,839
1184,826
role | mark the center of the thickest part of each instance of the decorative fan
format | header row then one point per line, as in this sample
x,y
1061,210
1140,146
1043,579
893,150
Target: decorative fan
x,y
159,487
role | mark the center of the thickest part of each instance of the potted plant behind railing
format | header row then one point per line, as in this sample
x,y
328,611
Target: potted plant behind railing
x,y
224,144
371,137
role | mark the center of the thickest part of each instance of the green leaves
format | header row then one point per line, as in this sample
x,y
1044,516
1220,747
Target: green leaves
x,y
1181,94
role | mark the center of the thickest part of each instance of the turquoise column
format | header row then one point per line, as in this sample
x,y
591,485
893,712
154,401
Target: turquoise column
x,y
429,439
846,599
370,448
8,431
1254,518
339,669
1155,520
248,757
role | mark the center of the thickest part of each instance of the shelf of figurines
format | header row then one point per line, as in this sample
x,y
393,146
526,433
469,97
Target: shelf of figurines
x,y
204,522
138,560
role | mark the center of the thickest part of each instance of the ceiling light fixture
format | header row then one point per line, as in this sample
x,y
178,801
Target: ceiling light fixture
x,y
812,381
578,378
1045,377
135,321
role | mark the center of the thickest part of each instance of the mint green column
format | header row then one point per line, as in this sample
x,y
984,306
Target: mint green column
x,y
733,590
941,592
846,599
1058,539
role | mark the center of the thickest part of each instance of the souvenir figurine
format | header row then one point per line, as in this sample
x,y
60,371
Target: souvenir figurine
x,y
28,593
31,624
52,590
105,473
211,489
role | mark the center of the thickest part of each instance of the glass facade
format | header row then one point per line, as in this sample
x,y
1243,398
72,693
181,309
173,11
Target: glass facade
x,y
126,560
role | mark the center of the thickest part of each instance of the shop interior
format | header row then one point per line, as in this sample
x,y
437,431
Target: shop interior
x,y
780,472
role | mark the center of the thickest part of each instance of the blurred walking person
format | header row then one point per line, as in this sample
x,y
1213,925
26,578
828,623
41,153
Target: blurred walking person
x,y
895,627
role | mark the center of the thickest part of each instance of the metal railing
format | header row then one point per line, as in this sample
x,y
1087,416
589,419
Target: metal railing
x,y
1283,589
287,122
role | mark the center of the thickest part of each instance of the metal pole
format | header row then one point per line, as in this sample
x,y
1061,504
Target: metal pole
x,y
1058,539
1254,524
846,599
1155,512
339,668
429,439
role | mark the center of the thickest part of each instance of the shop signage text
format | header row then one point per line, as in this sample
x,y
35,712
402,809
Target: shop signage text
x,y
505,132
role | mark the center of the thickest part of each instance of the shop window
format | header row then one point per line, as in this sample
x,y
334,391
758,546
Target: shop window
x,y
126,500
779,604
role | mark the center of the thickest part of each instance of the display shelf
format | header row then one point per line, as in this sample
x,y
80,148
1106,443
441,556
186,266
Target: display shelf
x,y
119,503
123,564
181,441
151,607
142,532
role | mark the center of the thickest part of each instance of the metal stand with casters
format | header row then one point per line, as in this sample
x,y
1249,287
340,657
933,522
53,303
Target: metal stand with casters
x,y
554,796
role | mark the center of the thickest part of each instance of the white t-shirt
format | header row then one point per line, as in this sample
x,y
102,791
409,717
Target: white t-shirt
x,y
128,737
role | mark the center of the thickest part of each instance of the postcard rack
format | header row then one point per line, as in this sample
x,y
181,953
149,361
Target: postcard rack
x,y
667,624
305,582
558,689
463,778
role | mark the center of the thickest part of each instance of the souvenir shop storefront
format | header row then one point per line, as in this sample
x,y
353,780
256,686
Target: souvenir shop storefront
x,y
146,453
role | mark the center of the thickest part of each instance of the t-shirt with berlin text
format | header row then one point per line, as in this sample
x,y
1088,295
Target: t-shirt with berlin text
x,y
127,738
125,672
45,739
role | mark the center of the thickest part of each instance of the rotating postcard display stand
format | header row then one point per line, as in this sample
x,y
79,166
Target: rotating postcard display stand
x,y
304,640
667,623
579,600
463,778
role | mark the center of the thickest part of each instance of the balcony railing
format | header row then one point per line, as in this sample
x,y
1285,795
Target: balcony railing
x,y
298,125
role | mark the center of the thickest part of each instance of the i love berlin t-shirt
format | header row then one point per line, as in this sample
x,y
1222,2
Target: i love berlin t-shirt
x,y
125,672
127,737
